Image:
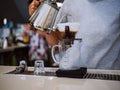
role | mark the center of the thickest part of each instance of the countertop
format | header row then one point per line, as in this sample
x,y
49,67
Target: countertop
x,y
32,82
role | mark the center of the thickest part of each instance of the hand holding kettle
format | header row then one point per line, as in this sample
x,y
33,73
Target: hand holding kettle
x,y
51,38
34,5
44,16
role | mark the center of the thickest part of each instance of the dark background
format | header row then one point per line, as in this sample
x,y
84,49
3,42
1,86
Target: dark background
x,y
15,10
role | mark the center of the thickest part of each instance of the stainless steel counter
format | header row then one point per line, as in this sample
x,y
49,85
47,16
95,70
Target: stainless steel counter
x,y
32,82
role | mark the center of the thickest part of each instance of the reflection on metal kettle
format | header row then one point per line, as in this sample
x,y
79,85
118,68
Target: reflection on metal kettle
x,y
44,17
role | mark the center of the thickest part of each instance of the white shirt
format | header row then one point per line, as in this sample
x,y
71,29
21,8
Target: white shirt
x,y
100,32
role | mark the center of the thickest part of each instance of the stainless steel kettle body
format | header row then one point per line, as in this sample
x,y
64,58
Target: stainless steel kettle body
x,y
44,17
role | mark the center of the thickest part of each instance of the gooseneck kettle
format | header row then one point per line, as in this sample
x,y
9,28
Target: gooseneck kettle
x,y
44,16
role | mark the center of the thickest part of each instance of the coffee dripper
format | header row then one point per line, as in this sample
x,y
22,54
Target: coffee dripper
x,y
62,49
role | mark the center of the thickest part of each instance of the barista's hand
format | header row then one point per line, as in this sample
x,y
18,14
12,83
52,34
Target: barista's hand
x,y
34,5
53,38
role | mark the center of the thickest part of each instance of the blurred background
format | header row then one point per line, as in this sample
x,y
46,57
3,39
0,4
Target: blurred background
x,y
14,37
14,10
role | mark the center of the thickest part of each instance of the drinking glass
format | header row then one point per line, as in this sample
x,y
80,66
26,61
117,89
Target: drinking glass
x,y
39,67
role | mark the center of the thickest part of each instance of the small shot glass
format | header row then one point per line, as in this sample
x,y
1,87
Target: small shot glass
x,y
39,67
